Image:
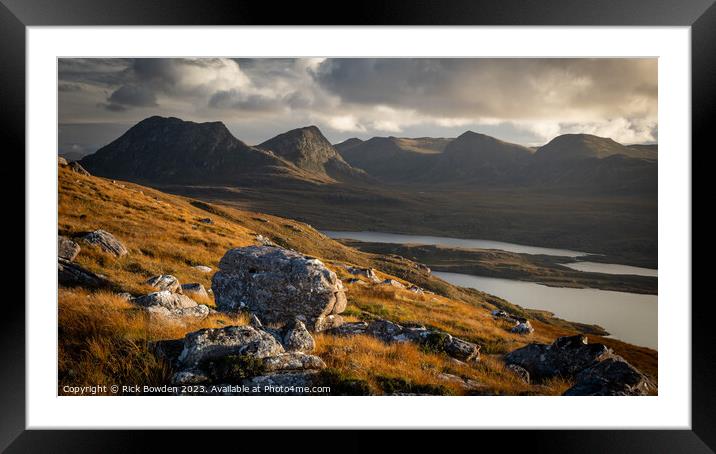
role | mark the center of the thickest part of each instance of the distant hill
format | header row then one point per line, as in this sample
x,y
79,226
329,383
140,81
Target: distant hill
x,y
581,146
392,158
309,150
170,150
479,156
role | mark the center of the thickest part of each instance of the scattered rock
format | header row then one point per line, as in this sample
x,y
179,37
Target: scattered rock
x,y
611,377
205,221
565,357
297,338
416,289
278,285
465,383
392,283
520,371
263,241
203,268
264,220
254,321
595,368
366,272
71,274
105,241
165,282
522,328
283,383
198,311
213,343
76,167
61,161
66,248
166,299
435,340
292,361
125,296
194,289
424,268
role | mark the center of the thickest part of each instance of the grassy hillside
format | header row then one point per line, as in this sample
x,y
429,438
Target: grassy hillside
x,y
104,339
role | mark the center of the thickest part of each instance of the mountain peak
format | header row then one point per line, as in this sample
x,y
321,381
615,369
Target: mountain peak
x,y
583,146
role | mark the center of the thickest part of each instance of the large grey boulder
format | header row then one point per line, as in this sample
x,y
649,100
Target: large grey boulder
x,y
212,343
278,285
66,248
105,241
565,357
183,314
522,328
71,274
165,282
611,377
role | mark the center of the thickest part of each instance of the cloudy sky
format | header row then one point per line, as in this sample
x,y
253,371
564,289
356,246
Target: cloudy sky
x,y
528,101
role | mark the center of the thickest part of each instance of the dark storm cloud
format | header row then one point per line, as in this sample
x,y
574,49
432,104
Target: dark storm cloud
x,y
132,96
537,98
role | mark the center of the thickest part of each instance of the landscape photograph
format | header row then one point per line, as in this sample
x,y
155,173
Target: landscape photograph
x,y
357,226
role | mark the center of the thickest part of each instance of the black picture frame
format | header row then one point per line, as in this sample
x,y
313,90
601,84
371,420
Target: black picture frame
x,y
16,15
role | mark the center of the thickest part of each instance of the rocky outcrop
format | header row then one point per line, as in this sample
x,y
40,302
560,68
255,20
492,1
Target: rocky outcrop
x,y
520,371
611,377
279,285
434,340
76,167
297,338
594,367
71,274
194,289
66,248
105,241
246,355
165,282
368,273
523,328
172,306
392,283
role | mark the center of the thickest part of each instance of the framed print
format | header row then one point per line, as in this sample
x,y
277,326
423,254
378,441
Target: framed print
x,y
460,216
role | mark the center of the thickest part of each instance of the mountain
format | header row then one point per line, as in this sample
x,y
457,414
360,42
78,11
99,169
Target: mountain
x,y
584,146
392,159
479,156
595,164
309,150
170,150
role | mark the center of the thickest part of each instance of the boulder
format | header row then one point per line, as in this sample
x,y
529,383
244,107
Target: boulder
x,y
565,357
165,282
66,248
522,328
165,299
390,332
76,167
298,339
194,289
521,372
611,377
203,268
212,343
366,272
292,361
283,383
278,285
182,314
205,221
392,283
71,274
105,241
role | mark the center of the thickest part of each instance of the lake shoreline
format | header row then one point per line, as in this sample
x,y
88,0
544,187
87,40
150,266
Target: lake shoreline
x,y
546,270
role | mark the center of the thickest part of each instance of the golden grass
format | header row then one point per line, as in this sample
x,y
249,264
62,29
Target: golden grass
x,y
104,339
